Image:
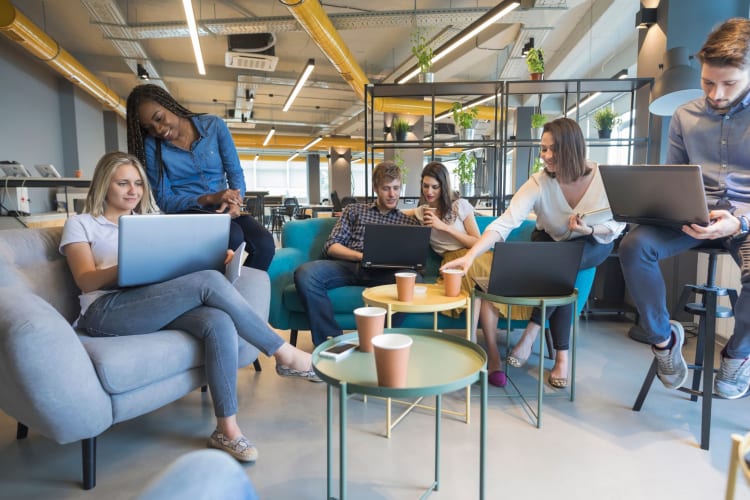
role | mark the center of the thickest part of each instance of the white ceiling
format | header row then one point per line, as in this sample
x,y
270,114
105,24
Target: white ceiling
x,y
580,38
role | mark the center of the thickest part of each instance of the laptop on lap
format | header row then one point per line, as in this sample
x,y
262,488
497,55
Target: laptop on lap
x,y
664,195
155,248
529,269
395,246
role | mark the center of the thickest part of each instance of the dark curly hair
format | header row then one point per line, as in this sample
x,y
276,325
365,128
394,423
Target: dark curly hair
x,y
439,172
136,132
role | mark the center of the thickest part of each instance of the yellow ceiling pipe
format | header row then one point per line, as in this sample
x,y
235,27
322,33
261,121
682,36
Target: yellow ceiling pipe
x,y
317,24
20,29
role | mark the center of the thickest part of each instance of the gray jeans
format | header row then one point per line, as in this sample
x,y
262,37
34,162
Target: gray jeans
x,y
205,305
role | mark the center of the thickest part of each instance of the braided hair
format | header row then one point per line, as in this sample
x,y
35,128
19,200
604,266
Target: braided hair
x,y
136,133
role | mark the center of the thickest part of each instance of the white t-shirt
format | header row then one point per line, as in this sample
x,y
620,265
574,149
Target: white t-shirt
x,y
102,235
441,241
542,194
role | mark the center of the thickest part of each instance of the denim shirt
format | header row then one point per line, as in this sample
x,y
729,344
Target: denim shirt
x,y
720,144
211,165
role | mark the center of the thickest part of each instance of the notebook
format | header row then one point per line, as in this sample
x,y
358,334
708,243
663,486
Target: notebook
x,y
154,248
533,269
666,195
395,246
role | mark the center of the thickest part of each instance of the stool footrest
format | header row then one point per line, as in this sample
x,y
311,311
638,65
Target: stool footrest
x,y
719,291
700,310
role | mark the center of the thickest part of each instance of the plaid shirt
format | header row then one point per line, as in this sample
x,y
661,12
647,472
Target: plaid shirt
x,y
350,228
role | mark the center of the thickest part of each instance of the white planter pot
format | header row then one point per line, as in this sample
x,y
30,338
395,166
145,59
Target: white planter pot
x,y
426,77
466,189
466,134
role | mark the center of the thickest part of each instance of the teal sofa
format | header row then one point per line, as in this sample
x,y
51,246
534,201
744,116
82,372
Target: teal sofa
x,y
303,240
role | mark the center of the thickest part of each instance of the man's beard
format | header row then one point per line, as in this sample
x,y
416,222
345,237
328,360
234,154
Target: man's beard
x,y
724,109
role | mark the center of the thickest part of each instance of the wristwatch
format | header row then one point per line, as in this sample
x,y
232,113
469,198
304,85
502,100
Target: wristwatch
x,y
744,228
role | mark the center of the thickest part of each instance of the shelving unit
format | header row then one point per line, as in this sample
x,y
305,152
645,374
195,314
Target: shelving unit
x,y
437,97
496,105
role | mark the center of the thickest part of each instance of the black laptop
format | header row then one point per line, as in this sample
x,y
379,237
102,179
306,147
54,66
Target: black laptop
x,y
663,195
336,202
395,246
529,269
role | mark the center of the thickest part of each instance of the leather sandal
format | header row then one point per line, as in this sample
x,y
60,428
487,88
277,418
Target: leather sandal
x,y
558,382
516,362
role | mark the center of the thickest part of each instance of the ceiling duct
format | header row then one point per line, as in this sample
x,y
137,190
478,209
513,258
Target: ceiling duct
x,y
254,51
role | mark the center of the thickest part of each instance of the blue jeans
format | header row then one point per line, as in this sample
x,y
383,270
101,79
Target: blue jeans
x,y
202,303
313,280
561,317
259,243
640,253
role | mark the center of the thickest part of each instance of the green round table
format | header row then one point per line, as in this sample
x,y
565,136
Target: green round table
x,y
438,363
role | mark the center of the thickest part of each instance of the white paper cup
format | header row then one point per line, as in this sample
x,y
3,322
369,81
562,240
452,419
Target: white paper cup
x,y
405,282
392,359
370,322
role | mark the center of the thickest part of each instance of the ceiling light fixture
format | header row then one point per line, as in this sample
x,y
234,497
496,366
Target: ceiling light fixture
x,y
268,137
621,75
295,155
678,84
142,73
193,29
583,102
312,143
300,83
468,105
471,31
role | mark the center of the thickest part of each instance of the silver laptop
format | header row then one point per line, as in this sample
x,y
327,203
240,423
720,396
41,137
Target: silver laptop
x,y
533,269
13,169
154,248
395,246
665,195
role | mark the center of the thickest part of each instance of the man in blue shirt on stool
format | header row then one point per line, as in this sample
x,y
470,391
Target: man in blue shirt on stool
x,y
714,132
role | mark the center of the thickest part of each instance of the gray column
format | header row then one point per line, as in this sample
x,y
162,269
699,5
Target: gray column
x,y
340,171
313,178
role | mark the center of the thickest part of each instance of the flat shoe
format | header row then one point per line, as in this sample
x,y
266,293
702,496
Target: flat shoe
x,y
516,362
557,382
497,378
286,371
240,448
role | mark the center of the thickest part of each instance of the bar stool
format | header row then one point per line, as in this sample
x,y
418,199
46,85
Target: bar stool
x,y
709,311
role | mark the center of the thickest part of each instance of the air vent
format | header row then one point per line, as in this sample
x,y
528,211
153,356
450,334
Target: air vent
x,y
244,60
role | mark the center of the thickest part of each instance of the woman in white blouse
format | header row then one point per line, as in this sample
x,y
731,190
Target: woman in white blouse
x,y
567,186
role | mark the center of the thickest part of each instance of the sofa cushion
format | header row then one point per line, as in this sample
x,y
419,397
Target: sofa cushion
x,y
129,362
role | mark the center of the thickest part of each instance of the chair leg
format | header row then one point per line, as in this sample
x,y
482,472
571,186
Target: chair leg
x,y
21,431
645,387
88,452
293,337
256,364
204,388
548,341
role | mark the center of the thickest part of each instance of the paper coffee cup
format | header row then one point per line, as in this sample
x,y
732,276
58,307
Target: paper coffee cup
x,y
392,359
452,281
405,286
370,322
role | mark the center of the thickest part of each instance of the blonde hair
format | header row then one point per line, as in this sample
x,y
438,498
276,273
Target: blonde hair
x,y
103,173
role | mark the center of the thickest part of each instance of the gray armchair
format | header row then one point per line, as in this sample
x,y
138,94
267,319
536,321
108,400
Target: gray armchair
x,y
71,387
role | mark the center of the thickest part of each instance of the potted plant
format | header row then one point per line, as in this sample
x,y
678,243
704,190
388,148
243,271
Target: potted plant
x,y
464,119
537,125
467,163
399,128
604,120
423,52
535,63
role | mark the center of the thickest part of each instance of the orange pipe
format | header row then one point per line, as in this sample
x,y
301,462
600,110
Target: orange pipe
x,y
20,29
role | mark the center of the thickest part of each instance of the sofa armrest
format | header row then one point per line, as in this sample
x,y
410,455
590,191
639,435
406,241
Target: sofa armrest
x,y
281,274
47,380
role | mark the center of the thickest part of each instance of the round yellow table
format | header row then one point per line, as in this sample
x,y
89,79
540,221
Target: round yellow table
x,y
432,300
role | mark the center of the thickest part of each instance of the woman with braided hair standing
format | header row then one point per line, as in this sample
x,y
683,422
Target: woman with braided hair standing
x,y
192,166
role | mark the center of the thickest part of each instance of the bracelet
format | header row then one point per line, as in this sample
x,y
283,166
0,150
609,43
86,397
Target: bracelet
x,y
592,231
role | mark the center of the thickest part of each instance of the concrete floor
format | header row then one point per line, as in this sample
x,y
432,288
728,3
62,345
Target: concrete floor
x,y
593,448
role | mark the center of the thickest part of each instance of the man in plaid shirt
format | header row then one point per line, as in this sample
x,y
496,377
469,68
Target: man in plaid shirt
x,y
344,253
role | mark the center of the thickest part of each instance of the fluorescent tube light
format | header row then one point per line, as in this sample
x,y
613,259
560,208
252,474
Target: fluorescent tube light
x,y
300,83
312,143
471,31
295,155
268,137
193,28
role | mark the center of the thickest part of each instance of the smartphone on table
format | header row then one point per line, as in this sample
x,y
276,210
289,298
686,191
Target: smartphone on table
x,y
339,351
